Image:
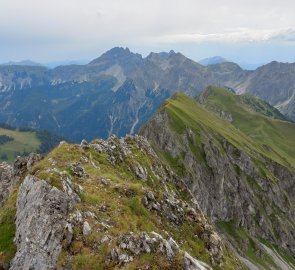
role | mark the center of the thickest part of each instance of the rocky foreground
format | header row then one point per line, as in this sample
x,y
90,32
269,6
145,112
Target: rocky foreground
x,y
105,205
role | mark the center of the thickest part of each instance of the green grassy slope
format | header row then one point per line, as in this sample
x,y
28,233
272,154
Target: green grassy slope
x,y
23,142
248,115
20,142
187,113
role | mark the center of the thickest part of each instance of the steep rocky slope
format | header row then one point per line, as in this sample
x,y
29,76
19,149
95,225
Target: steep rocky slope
x,y
244,187
120,90
105,205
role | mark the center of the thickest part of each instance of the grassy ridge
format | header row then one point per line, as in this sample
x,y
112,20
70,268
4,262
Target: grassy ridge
x,y
246,117
186,113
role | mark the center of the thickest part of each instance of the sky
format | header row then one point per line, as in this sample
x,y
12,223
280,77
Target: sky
x,y
251,31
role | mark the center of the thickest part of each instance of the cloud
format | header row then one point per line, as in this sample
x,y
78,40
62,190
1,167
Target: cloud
x,y
242,35
42,29
284,35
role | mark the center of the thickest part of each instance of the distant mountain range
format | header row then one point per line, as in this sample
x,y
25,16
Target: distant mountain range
x,y
119,91
22,63
54,64
219,60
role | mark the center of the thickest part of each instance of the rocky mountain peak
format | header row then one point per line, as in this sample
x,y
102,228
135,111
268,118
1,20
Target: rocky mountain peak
x,y
116,54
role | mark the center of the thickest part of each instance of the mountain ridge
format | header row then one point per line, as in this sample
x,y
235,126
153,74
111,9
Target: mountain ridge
x,y
79,89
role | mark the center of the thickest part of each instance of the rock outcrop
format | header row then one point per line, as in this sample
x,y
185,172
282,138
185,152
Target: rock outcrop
x,y
10,175
6,181
40,222
131,245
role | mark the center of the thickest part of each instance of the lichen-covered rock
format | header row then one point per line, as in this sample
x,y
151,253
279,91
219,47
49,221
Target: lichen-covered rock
x,y
131,245
40,222
148,243
86,228
69,188
78,170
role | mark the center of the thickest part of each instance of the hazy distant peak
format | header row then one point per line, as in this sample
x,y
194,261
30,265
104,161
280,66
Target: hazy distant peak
x,y
213,60
22,63
275,65
161,55
118,51
166,54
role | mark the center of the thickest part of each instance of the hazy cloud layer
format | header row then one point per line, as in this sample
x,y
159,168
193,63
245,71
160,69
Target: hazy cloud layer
x,y
58,29
242,35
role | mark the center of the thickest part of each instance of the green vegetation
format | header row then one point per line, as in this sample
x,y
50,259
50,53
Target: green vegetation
x,y
137,208
21,142
261,106
250,131
258,120
241,238
4,139
86,262
7,228
185,113
281,253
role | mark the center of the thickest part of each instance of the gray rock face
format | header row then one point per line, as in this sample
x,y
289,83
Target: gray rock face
x,y
6,181
191,263
41,219
10,175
